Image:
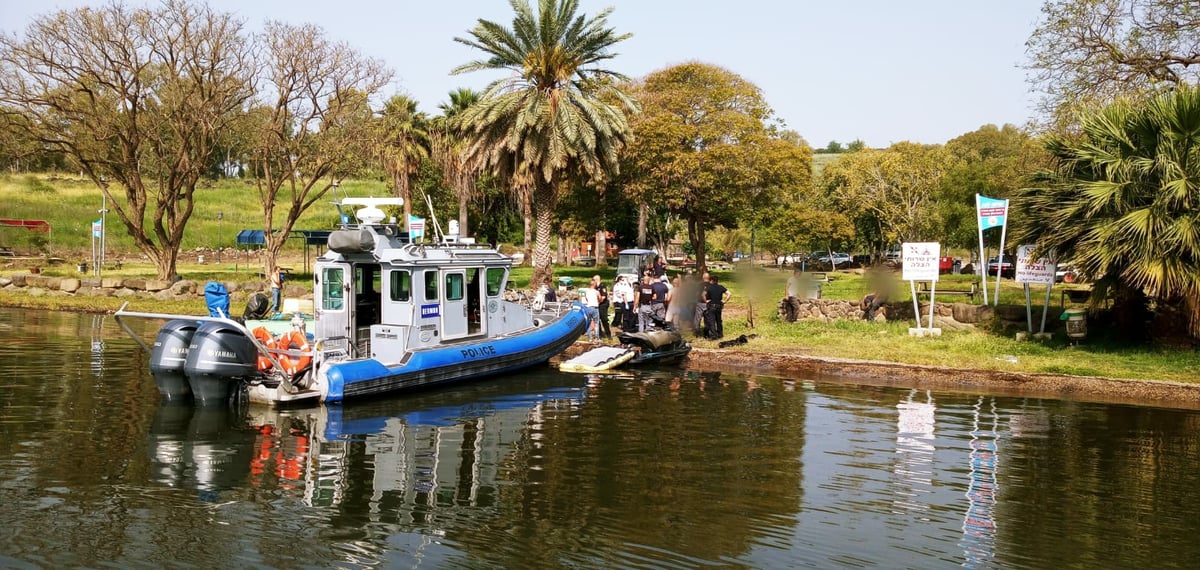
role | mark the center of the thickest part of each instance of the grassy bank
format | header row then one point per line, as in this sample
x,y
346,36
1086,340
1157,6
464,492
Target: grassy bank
x,y
988,347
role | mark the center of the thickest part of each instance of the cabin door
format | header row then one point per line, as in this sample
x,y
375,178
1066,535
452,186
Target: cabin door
x,y
331,296
454,304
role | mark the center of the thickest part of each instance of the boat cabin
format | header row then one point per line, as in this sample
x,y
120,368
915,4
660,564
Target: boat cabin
x,y
379,295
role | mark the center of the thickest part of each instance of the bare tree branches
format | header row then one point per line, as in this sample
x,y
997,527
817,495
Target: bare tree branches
x,y
136,96
1086,51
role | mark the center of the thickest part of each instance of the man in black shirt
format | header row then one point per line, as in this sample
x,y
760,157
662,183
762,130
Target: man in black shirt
x,y
658,305
643,298
715,297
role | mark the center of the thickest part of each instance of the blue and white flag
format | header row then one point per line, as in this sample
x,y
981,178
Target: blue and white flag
x,y
97,228
992,211
416,227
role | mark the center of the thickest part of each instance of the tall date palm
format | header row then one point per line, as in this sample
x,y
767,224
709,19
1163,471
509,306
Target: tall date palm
x,y
1123,203
549,117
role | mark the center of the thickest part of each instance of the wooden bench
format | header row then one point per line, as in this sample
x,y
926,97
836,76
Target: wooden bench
x,y
970,293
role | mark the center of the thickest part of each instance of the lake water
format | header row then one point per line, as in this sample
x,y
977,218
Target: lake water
x,y
653,469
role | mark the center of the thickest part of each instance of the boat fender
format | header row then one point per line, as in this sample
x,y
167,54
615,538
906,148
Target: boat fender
x,y
263,336
294,340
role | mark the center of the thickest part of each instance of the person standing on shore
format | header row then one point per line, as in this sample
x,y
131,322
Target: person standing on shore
x,y
602,308
276,289
622,298
643,298
591,305
715,297
701,305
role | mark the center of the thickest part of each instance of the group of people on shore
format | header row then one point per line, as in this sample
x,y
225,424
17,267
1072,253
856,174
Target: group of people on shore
x,y
687,302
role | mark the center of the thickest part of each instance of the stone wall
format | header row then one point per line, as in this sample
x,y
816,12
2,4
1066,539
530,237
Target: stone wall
x,y
830,310
38,285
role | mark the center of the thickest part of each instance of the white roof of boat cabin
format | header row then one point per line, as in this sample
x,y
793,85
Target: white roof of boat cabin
x,y
442,254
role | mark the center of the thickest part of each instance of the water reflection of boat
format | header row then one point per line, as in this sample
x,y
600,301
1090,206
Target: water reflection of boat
x,y
446,439
203,448
391,315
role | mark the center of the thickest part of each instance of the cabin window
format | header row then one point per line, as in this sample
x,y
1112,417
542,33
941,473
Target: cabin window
x,y
401,286
331,289
454,286
368,280
431,285
495,280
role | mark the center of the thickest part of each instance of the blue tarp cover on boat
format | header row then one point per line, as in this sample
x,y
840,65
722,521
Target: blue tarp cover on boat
x,y
216,296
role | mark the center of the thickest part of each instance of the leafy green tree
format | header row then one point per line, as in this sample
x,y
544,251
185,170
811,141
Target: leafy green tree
x,y
1088,51
890,194
704,150
834,147
805,227
1121,203
992,161
856,145
548,121
133,96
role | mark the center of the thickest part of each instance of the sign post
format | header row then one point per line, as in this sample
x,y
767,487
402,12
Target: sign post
x,y
920,263
1034,270
991,212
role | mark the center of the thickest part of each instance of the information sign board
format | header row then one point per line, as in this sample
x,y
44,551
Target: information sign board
x,y
920,261
1030,270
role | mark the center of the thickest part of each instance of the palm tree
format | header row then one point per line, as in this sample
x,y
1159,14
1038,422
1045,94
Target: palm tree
x,y
1123,204
549,117
404,144
449,149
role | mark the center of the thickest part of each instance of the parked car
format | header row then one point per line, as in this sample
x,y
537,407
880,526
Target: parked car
x,y
1065,274
1004,266
792,258
838,258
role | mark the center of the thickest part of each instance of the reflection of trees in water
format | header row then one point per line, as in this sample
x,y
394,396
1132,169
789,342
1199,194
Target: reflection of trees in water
x,y
1103,483
673,464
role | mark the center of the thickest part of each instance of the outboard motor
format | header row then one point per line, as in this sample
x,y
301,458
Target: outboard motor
x,y
220,356
168,357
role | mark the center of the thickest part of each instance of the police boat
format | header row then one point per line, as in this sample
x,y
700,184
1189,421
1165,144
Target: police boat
x,y
390,315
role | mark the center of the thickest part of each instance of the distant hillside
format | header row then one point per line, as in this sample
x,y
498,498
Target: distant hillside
x,y
820,161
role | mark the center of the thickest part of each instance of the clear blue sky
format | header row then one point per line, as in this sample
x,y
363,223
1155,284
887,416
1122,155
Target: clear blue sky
x,y
882,71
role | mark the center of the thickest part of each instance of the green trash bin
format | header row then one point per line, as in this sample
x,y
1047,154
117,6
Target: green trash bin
x,y
1076,320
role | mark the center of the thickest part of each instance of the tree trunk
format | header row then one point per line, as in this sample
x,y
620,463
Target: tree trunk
x,y
601,249
1192,304
543,204
696,237
462,215
165,263
527,218
402,190
642,215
